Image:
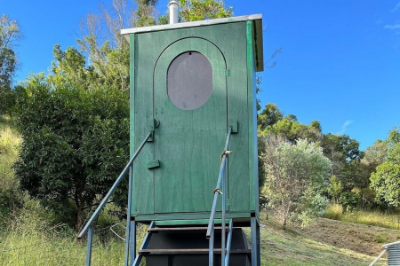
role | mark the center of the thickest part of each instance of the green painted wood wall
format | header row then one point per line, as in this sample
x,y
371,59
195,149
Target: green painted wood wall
x,y
188,144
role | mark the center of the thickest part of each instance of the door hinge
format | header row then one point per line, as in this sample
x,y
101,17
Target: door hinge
x,y
227,72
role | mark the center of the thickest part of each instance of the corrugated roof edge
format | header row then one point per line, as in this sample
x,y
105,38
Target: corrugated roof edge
x,y
190,24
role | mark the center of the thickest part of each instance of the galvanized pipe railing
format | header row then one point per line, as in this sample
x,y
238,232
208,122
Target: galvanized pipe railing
x,y
89,225
217,192
228,247
385,247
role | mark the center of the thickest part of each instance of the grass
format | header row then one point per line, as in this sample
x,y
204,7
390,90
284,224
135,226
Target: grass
x,y
374,218
295,247
10,141
32,240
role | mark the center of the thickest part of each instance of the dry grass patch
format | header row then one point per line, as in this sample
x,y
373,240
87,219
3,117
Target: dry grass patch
x,y
376,218
313,246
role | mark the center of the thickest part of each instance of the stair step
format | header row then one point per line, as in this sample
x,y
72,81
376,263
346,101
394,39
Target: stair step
x,y
159,229
189,251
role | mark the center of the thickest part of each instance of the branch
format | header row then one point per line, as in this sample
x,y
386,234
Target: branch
x,y
273,64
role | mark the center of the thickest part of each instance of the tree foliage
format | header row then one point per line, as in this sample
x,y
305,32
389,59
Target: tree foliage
x,y
272,121
9,35
345,156
75,137
269,116
386,180
105,47
295,179
193,10
375,154
335,188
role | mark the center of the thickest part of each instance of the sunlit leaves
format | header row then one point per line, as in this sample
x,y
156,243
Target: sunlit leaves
x,y
295,180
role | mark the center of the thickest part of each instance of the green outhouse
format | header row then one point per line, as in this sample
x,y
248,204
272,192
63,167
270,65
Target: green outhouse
x,y
193,174
192,85
193,81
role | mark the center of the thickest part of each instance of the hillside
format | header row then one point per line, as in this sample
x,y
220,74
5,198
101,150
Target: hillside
x,y
325,242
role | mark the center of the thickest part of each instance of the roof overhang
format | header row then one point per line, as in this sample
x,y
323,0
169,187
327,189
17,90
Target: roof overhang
x,y
257,26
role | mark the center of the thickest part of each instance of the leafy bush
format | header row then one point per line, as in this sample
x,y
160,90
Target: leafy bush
x,y
350,201
76,142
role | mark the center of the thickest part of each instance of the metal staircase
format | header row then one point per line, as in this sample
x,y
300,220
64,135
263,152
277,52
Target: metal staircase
x,y
182,246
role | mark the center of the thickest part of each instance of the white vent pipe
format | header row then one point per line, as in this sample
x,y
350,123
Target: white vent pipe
x,y
173,11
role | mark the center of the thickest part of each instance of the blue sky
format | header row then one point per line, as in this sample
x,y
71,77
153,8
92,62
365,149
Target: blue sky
x,y
340,59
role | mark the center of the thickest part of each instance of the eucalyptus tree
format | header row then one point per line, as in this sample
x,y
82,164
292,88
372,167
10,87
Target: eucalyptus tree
x,y
10,34
295,179
386,180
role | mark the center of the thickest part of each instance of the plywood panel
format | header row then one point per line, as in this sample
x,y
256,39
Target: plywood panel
x,y
189,142
142,60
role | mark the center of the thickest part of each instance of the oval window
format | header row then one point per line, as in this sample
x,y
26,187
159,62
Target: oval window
x,y
189,80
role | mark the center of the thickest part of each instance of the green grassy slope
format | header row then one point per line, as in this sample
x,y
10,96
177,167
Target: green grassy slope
x,y
9,143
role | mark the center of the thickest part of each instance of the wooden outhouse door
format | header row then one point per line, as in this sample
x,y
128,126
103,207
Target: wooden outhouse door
x,y
190,101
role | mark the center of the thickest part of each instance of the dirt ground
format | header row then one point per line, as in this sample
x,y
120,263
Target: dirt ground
x,y
365,239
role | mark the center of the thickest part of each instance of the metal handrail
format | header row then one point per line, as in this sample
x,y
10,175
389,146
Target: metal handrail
x,y
112,189
377,258
385,247
217,191
228,248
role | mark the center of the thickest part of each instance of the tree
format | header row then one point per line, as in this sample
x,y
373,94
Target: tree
x,y
335,188
9,35
193,10
105,47
375,154
75,138
386,183
393,142
348,147
272,121
345,156
295,182
386,180
292,130
269,116
316,125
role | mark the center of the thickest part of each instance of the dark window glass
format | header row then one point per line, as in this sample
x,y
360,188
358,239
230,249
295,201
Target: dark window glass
x,y
189,80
